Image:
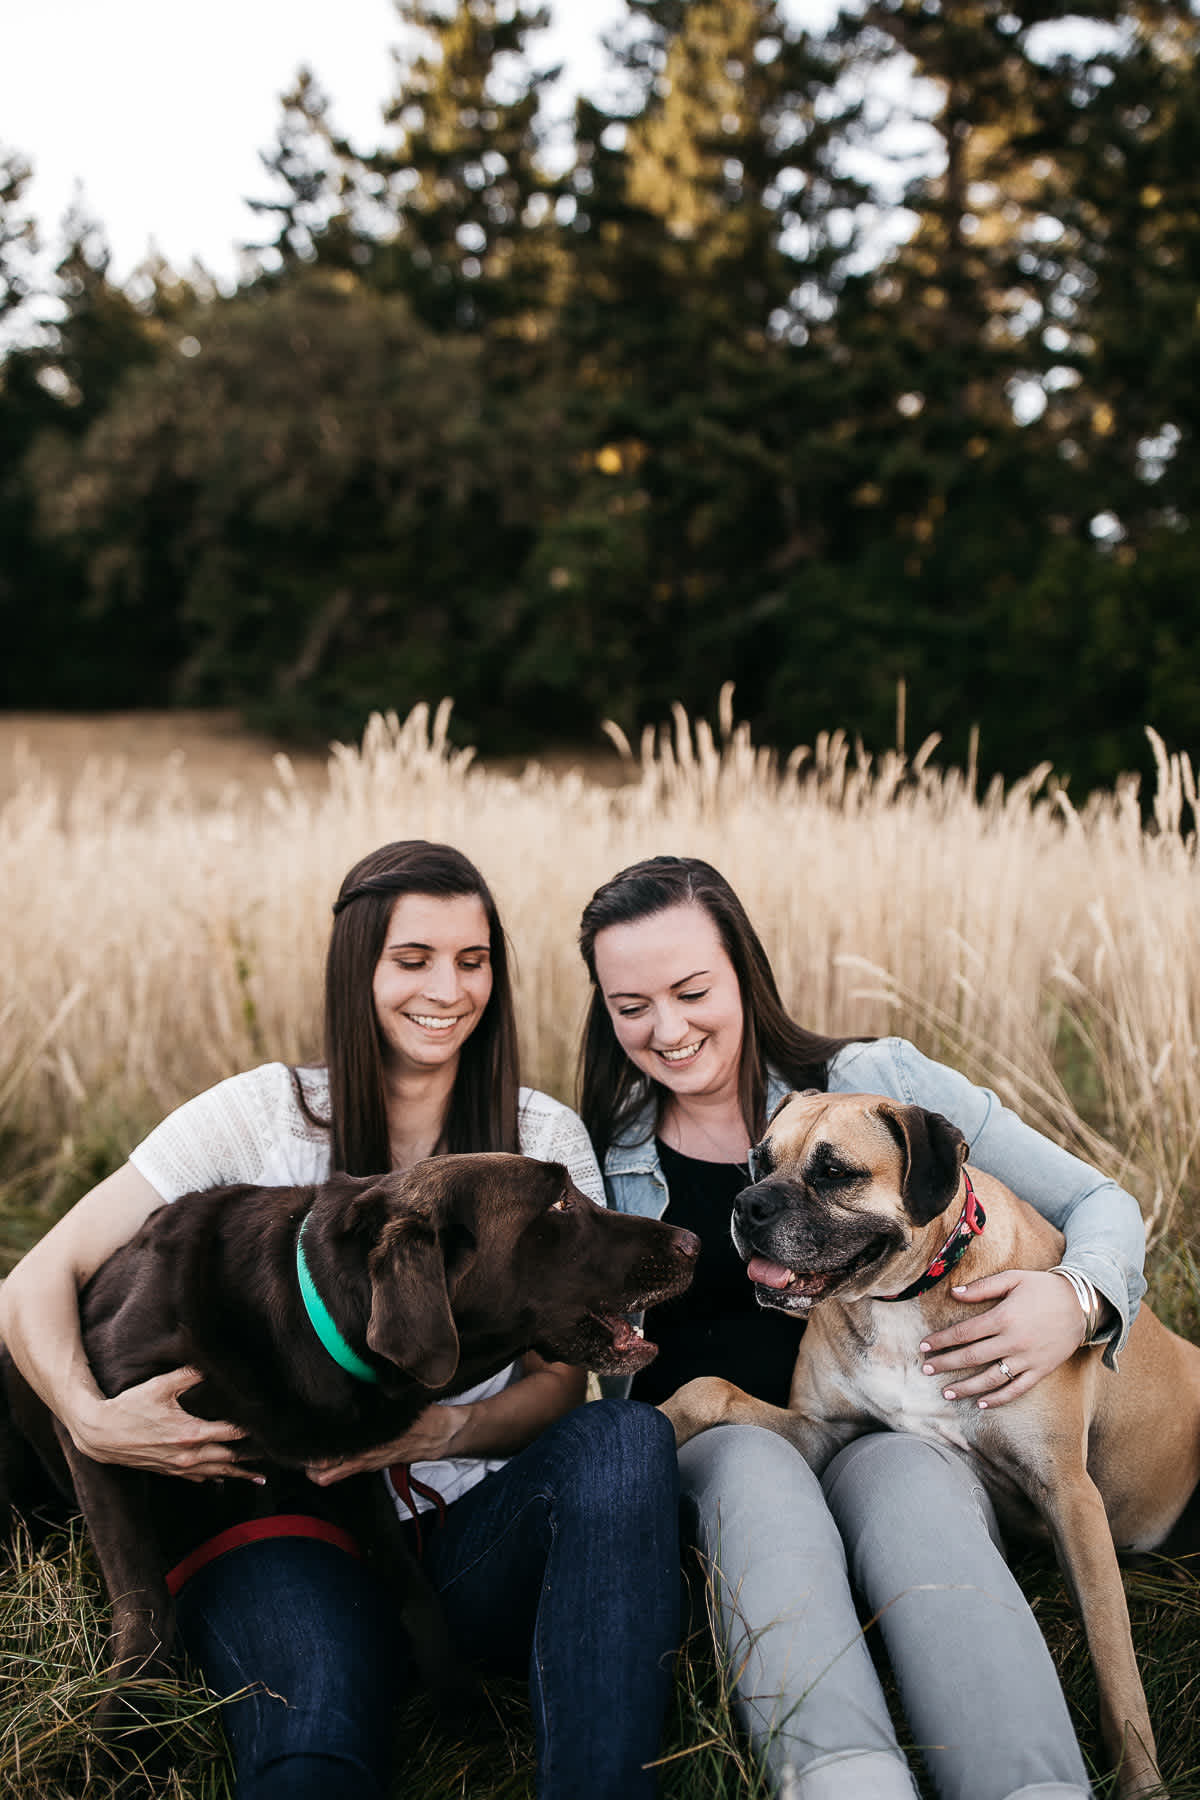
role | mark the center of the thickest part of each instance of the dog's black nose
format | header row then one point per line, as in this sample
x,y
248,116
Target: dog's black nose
x,y
758,1205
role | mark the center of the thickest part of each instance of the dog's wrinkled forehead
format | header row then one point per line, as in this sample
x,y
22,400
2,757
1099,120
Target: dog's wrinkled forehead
x,y
806,1128
765,1155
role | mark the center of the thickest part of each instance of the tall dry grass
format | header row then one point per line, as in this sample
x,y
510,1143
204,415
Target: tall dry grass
x,y
152,945
154,942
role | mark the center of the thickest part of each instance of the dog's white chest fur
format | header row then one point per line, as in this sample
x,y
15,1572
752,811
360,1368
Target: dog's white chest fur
x,y
906,1399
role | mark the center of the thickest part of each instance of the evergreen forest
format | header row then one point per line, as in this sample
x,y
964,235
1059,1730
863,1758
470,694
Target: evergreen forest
x,y
839,364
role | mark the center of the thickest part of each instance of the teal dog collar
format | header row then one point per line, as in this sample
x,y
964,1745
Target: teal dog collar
x,y
321,1321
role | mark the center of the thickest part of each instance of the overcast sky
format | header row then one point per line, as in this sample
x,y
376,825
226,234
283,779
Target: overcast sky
x,y
160,110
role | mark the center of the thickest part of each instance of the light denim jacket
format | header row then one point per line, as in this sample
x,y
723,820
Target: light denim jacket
x,y
1102,1224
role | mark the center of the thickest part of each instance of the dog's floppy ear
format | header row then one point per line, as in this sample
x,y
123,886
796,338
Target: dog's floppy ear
x,y
934,1153
411,1322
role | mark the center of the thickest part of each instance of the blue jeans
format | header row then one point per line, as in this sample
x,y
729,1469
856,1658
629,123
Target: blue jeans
x,y
563,1565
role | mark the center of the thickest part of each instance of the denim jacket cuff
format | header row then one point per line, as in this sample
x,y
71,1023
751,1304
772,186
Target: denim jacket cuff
x,y
1111,1280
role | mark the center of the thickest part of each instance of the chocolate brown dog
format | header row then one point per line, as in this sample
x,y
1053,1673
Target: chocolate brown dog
x,y
426,1283
855,1200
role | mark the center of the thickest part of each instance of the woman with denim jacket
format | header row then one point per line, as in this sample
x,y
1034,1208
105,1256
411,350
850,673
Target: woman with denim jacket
x,y
687,1049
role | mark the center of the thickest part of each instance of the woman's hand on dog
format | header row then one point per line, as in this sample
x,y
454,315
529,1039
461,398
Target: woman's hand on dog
x,y
499,1425
145,1427
1031,1324
432,1437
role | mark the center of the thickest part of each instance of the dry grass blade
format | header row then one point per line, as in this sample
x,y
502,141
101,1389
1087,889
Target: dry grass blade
x,y
54,1652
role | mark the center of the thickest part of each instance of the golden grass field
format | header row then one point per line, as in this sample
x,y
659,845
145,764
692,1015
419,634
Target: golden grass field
x,y
167,884
166,892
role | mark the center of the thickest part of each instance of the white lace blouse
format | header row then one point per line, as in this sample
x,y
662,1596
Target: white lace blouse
x,y
251,1128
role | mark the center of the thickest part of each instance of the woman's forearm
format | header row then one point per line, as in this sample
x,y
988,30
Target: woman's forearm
x,y
498,1426
511,1419
145,1426
39,1305
39,1323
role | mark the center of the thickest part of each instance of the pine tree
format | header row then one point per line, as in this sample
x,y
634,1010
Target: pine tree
x,y
18,235
319,213
101,333
989,407
1118,594
702,264
464,180
1121,322
733,150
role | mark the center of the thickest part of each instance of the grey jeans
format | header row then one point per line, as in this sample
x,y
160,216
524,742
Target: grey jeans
x,y
907,1526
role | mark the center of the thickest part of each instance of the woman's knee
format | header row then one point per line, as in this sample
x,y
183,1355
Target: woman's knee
x,y
894,1469
631,1428
300,1634
750,1498
897,1494
628,1430
732,1461
884,1455
617,1447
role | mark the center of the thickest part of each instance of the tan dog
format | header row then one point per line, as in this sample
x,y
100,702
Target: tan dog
x,y
854,1199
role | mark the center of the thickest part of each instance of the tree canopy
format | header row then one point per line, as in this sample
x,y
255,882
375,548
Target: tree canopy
x,y
815,361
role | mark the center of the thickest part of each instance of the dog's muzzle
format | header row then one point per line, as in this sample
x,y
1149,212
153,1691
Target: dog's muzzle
x,y
795,1249
757,1207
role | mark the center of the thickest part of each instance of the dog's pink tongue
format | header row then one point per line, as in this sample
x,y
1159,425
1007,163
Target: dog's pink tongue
x,y
769,1274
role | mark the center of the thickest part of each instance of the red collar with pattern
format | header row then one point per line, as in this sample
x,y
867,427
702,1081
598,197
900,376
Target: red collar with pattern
x,y
971,1221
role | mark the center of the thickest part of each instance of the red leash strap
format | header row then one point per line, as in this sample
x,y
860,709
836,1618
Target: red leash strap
x,y
253,1531
406,1485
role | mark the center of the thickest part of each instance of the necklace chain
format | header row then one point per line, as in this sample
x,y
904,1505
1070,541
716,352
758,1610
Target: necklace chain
x,y
676,1118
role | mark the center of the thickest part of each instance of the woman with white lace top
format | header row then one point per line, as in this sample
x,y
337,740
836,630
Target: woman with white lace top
x,y
538,1571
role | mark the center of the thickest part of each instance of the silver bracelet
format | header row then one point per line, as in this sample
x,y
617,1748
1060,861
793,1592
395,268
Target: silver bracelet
x,y
1090,1303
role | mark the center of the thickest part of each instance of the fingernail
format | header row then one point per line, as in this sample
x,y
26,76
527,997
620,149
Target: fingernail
x,y
260,1481
959,1287
928,1369
924,1349
982,1405
949,1394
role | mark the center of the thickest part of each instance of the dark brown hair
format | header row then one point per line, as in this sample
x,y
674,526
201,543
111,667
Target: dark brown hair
x,y
612,1090
482,1114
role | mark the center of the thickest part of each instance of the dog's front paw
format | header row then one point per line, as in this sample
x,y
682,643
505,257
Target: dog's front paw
x,y
698,1404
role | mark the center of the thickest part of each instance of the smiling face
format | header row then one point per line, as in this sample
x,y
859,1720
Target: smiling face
x,y
673,998
432,981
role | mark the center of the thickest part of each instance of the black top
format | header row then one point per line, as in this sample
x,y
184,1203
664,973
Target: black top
x,y
717,1327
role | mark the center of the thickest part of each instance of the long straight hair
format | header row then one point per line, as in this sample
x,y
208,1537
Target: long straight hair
x,y
482,1114
612,1089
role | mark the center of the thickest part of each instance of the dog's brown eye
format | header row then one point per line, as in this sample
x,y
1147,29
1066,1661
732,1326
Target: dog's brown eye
x,y
561,1204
